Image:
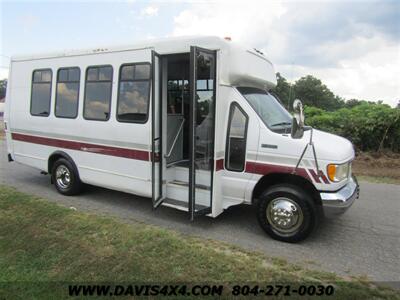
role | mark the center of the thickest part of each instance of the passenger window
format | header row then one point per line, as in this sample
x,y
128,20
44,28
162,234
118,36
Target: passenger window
x,y
236,139
67,93
133,93
41,93
98,88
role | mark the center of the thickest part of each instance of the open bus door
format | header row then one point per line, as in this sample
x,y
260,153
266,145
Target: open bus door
x,y
156,137
202,130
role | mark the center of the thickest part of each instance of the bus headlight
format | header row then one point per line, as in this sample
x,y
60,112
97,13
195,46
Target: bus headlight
x,y
338,173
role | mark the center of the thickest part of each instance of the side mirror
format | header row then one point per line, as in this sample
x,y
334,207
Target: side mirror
x,y
298,120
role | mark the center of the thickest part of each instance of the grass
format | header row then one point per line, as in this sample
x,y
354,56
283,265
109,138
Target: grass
x,y
43,246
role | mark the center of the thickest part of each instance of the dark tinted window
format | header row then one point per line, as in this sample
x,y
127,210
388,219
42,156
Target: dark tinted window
x,y
133,93
127,72
74,74
41,93
236,140
98,93
67,93
142,72
105,73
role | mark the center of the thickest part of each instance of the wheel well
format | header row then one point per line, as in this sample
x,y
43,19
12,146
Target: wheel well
x,y
57,155
278,178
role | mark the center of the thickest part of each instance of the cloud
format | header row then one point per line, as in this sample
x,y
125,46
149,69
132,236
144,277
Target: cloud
x,y
149,11
352,46
371,77
228,19
67,92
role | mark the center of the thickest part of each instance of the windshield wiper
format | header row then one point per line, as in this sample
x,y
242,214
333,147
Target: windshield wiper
x,y
282,123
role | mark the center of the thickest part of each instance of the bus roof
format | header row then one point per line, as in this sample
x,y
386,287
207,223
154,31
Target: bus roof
x,y
240,63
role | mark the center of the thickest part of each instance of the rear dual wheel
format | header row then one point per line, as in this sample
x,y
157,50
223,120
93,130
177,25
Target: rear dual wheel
x,y
287,213
66,178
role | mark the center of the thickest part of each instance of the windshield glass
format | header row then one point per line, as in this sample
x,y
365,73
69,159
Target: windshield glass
x,y
271,112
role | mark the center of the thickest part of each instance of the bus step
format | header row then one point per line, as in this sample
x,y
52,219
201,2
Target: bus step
x,y
181,205
186,184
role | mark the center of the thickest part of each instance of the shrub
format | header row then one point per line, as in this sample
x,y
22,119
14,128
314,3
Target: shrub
x,y
371,127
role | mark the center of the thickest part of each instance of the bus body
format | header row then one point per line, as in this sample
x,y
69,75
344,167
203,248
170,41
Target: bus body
x,y
188,122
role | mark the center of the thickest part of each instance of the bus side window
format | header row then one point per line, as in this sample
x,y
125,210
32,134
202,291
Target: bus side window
x,y
41,92
133,93
235,154
67,92
98,88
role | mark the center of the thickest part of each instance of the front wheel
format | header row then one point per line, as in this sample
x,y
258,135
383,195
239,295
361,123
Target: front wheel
x,y
287,213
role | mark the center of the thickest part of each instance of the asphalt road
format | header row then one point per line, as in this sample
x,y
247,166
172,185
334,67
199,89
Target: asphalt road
x,y
364,241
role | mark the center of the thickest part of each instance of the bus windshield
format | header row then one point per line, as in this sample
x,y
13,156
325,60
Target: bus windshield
x,y
270,110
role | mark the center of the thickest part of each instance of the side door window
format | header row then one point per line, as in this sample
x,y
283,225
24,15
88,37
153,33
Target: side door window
x,y
235,154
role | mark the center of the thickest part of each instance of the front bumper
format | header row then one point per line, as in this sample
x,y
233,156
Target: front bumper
x,y
336,203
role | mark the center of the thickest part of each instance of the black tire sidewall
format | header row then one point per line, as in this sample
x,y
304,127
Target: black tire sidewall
x,y
301,198
75,185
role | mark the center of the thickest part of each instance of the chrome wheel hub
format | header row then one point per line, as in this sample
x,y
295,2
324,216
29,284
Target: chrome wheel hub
x,y
284,215
63,177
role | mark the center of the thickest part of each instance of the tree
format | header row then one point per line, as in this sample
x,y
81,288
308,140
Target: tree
x,y
282,90
312,92
3,87
352,102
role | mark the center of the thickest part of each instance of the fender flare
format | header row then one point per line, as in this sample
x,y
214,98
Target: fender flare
x,y
57,154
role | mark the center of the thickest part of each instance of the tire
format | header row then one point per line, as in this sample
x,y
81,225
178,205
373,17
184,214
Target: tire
x,y
287,213
65,177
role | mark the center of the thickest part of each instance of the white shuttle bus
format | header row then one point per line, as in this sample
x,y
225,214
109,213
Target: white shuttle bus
x,y
188,122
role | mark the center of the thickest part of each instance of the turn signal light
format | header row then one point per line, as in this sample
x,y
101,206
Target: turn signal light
x,y
340,172
332,172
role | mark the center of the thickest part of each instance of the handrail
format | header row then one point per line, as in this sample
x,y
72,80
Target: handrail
x,y
175,140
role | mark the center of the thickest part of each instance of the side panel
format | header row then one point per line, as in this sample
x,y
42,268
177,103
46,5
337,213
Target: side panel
x,y
287,154
230,186
111,154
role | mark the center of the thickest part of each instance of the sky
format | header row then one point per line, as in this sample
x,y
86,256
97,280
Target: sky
x,y
352,46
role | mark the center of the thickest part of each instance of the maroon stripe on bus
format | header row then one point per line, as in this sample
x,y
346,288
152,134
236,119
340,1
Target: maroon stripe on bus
x,y
264,169
251,167
86,147
219,164
324,178
321,176
314,175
